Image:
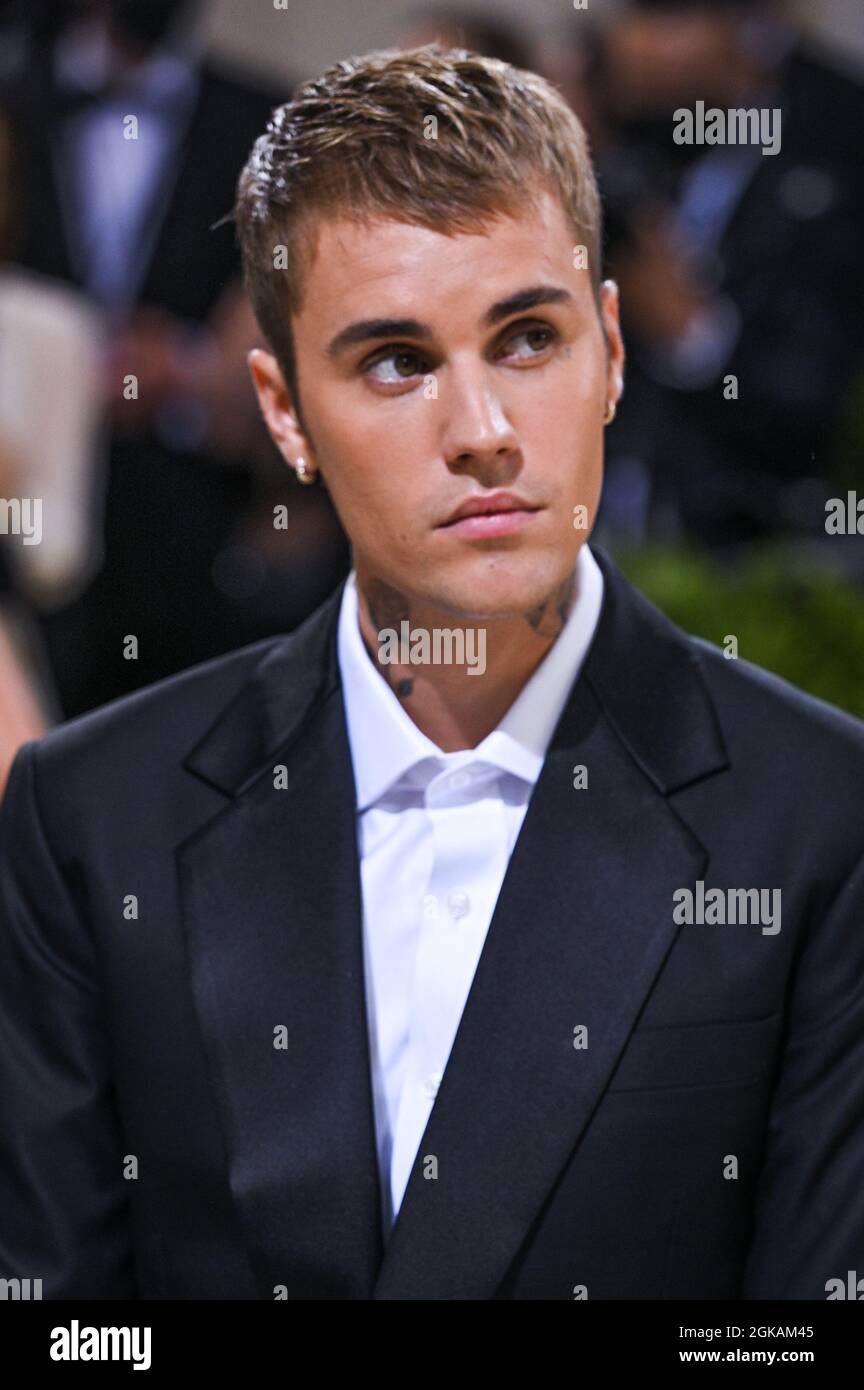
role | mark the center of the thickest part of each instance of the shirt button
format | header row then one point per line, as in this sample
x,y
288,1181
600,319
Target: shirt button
x,y
431,1084
459,780
458,903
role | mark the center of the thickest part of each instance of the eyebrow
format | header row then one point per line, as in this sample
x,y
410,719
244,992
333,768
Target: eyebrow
x,y
519,302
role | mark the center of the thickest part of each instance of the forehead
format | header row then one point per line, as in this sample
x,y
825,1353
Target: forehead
x,y
383,267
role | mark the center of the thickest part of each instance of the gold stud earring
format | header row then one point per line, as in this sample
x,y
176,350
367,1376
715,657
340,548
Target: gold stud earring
x,y
609,416
303,474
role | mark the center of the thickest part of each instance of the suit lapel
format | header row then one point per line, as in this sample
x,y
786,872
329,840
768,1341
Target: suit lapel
x,y
271,903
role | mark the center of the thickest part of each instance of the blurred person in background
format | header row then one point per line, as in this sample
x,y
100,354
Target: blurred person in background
x,y
49,418
22,715
51,409
139,224
731,263
456,27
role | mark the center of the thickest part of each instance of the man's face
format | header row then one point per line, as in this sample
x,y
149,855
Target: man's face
x,y
405,425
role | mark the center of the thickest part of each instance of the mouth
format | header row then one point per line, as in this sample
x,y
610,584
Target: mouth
x,y
497,514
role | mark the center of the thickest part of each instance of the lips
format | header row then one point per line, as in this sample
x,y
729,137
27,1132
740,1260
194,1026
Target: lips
x,y
485,518
491,505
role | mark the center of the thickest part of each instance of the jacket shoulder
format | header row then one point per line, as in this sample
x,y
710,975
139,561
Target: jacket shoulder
x,y
168,714
781,716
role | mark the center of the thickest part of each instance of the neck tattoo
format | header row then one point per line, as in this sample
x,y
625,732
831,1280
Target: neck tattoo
x,y
388,607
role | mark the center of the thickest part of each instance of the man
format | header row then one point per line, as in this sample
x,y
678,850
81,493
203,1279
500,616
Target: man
x,y
330,971
717,249
129,139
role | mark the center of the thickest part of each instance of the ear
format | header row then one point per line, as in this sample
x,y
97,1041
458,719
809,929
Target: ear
x,y
614,341
277,408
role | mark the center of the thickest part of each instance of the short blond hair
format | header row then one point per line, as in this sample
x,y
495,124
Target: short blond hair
x,y
358,141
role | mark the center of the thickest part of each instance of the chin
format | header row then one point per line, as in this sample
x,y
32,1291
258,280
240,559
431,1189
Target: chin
x,y
502,585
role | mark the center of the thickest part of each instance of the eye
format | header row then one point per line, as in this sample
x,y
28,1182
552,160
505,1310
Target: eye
x,y
406,363
542,331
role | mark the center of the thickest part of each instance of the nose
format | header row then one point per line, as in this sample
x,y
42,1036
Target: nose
x,y
478,437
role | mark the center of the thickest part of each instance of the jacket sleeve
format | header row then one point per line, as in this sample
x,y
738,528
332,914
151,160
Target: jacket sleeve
x,y
809,1221
64,1207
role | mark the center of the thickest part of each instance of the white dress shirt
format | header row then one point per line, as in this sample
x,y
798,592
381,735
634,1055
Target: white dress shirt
x,y
435,835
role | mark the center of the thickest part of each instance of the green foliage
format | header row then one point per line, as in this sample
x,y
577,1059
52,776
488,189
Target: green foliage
x,y
805,624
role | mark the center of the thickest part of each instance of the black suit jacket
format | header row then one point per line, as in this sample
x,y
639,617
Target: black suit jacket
x,y
603,1168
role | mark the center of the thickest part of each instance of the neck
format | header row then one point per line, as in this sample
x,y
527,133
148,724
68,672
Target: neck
x,y
456,702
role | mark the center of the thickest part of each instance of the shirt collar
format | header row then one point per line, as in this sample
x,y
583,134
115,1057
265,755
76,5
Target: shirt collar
x,y
386,743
